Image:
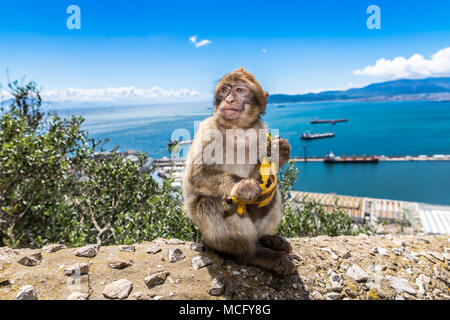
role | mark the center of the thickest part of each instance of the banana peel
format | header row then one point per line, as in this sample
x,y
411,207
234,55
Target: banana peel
x,y
268,171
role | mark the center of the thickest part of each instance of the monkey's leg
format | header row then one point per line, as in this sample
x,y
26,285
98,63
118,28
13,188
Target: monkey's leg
x,y
275,242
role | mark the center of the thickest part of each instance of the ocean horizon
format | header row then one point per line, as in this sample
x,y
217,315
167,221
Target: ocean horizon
x,y
373,128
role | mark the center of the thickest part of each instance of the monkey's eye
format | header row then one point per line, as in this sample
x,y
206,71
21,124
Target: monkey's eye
x,y
225,89
240,90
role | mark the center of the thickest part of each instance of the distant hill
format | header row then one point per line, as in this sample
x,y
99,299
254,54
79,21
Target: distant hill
x,y
381,90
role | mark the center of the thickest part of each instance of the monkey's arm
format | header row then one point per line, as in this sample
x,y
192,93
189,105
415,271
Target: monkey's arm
x,y
211,181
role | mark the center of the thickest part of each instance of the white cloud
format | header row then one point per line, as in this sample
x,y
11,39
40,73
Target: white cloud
x,y
264,50
415,67
199,44
122,94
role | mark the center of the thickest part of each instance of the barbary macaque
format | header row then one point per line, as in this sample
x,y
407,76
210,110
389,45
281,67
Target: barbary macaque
x,y
223,162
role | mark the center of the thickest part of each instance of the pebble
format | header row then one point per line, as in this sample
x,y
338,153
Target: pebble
x,y
120,264
157,297
396,251
356,273
119,289
78,296
316,295
77,269
337,280
53,247
332,296
175,255
401,285
26,293
198,247
127,248
154,249
217,286
380,250
88,251
30,260
143,296
174,241
199,262
4,281
156,278
437,255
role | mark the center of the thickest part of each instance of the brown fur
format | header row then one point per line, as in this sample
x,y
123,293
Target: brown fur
x,y
248,237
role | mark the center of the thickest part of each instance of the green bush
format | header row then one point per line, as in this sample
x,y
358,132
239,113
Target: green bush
x,y
54,189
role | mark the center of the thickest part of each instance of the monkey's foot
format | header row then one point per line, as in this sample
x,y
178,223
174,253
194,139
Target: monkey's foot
x,y
284,266
276,242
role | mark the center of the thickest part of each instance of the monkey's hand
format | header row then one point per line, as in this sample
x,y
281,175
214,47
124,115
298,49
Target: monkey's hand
x,y
246,189
284,150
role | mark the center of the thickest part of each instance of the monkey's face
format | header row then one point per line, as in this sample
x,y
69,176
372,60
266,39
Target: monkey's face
x,y
234,100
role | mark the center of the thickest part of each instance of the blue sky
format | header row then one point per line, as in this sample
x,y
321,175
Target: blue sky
x,y
290,46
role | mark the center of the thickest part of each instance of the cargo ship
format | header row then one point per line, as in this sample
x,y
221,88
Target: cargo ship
x,y
332,121
331,158
309,136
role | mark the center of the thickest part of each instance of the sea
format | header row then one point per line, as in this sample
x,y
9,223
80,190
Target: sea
x,y
372,128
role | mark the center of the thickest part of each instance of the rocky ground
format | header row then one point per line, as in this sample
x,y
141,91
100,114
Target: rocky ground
x,y
378,267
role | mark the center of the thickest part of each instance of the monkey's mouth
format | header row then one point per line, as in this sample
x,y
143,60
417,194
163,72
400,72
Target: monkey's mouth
x,y
230,112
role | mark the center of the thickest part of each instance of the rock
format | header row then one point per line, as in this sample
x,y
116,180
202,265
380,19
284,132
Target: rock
x,y
342,252
53,247
396,251
30,260
401,285
198,247
437,255
154,249
332,296
156,278
175,255
316,295
174,241
143,296
78,296
77,269
88,251
337,281
157,297
217,286
120,264
127,248
4,281
119,289
26,293
380,250
199,262
356,273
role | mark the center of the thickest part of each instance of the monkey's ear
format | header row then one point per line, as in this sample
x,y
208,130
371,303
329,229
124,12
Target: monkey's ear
x,y
266,94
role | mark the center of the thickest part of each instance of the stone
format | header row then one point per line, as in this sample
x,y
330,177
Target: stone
x,y
380,250
157,297
199,262
198,247
356,273
175,255
26,293
337,281
30,260
217,286
437,255
316,295
342,252
153,249
88,251
156,278
120,264
332,296
77,269
401,285
53,247
143,296
4,281
127,248
119,289
397,252
174,241
78,296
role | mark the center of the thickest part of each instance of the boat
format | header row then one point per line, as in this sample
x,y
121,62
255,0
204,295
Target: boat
x,y
309,136
331,158
332,121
